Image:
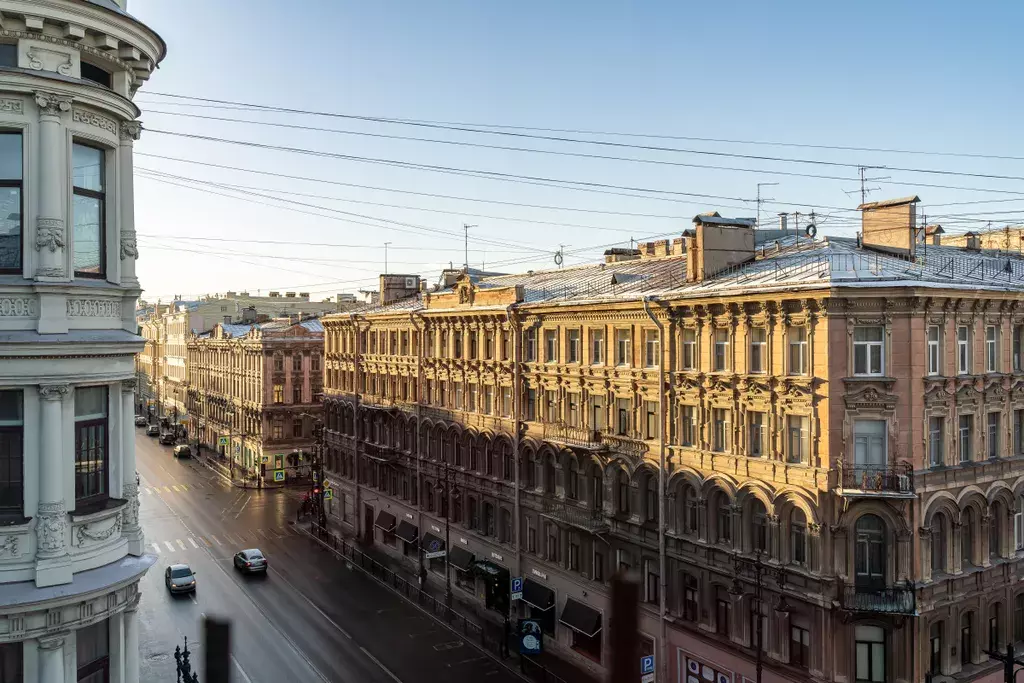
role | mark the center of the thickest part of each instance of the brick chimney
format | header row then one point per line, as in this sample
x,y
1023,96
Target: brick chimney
x,y
719,244
890,225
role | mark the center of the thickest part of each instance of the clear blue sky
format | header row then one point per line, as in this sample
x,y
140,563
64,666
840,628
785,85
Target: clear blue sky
x,y
936,76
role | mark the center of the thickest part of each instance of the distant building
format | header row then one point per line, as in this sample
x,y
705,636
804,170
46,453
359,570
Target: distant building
x,y
1008,238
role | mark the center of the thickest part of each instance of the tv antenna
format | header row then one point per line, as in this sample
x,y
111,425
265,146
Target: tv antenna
x,y
760,201
466,227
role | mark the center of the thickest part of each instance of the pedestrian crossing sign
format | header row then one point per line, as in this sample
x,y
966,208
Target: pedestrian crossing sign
x,y
222,441
278,475
328,494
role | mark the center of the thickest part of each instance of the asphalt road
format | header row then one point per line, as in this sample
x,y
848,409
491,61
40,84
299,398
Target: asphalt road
x,y
309,619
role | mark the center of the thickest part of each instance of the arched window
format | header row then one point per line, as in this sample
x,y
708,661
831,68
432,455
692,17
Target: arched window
x,y
596,487
798,537
759,526
622,491
572,480
549,473
995,530
651,497
939,542
969,518
870,552
967,638
723,518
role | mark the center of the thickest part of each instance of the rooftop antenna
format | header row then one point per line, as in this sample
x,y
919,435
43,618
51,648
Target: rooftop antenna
x,y
386,257
760,201
864,189
466,227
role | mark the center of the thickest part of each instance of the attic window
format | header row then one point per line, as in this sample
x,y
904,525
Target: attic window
x,y
95,74
8,55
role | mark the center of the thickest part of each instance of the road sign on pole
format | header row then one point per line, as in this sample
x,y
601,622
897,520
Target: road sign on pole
x,y
328,494
647,669
517,588
222,441
278,475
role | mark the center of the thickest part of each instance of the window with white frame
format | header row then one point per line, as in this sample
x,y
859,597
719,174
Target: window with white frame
x,y
89,210
797,350
963,350
551,406
869,350
572,346
992,348
721,358
488,402
530,351
756,425
551,346
598,417
869,445
689,355
597,346
936,435
799,441
758,348
993,435
11,196
966,432
934,350
688,425
1018,348
721,431
652,349
623,347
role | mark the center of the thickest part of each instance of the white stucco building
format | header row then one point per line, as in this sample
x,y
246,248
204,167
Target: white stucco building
x,y
71,549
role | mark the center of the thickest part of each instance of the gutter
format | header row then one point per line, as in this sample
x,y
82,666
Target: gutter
x,y
662,560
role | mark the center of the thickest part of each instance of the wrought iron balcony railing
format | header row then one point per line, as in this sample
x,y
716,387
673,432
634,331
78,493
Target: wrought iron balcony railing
x,y
572,514
879,600
581,437
895,478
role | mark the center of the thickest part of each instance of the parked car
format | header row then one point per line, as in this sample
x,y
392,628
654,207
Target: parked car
x,y
179,578
168,438
141,421
251,561
153,430
183,450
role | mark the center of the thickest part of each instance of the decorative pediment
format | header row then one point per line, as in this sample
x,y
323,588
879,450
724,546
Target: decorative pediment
x,y
870,397
466,293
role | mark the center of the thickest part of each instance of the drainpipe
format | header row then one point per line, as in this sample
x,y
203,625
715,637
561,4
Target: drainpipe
x,y
516,420
416,437
662,578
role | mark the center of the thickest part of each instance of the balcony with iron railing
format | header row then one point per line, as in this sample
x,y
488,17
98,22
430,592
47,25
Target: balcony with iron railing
x,y
893,480
899,599
580,437
576,515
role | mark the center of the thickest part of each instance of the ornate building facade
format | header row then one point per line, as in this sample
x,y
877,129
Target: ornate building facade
x,y
809,448
258,388
71,549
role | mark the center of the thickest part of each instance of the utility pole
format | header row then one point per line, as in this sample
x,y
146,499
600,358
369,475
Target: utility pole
x,y
466,227
1009,662
760,201
386,257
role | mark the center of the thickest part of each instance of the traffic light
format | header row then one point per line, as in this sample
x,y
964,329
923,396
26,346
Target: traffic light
x,y
316,490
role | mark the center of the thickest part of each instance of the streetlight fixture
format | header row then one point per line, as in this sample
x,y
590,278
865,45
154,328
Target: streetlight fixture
x,y
448,490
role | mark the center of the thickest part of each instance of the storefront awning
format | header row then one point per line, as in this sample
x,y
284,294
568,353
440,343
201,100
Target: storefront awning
x,y
407,531
432,544
581,618
385,520
538,596
461,559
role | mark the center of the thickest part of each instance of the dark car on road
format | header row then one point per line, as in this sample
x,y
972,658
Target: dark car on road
x,y
183,451
153,430
141,421
179,578
168,438
251,561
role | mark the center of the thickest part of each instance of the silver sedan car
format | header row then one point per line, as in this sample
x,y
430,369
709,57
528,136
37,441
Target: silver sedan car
x,y
180,578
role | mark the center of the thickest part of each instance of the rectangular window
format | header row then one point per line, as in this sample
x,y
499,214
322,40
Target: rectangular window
x,y
721,430
992,348
297,394
488,346
651,413
688,426
278,393
574,554
797,350
651,584
756,430
936,452
572,346
758,348
799,439
551,346
721,359
963,350
550,406
459,397
12,460
966,431
622,409
623,348
1018,432
934,350
296,363
472,345
531,404
652,349
92,644
799,646
869,444
472,398
1018,348
530,344
689,349
277,431
10,200
506,401
597,347
488,402
572,404
91,456
12,654
457,345
297,428
993,435
598,565
88,211
869,654
868,351
598,417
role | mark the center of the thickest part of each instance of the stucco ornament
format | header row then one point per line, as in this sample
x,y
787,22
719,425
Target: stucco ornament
x,y
49,233
52,105
129,246
52,524
131,512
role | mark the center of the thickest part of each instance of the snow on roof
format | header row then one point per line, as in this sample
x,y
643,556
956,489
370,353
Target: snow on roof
x,y
313,325
236,330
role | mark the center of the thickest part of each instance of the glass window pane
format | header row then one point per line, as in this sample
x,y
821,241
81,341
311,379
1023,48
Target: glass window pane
x,y
88,231
10,408
88,167
90,402
10,156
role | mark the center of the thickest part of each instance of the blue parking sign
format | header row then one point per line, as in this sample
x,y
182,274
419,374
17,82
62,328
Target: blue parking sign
x,y
517,588
647,664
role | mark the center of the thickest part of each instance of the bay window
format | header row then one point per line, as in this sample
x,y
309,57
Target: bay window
x,y
10,202
92,457
89,211
12,457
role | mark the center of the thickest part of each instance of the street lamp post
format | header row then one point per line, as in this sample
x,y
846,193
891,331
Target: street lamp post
x,y
447,490
760,570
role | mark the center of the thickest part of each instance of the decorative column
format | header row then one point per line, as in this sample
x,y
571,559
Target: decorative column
x,y
51,659
984,541
775,538
130,488
53,566
703,532
131,640
51,236
736,532
904,543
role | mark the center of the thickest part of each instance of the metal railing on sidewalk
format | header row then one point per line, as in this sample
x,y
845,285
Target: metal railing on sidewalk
x,y
491,643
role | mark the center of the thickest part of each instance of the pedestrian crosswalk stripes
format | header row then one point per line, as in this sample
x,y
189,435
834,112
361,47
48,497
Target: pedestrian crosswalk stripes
x,y
172,488
236,539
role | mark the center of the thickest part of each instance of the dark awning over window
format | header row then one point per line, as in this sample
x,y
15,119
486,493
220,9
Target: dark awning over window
x,y
460,558
431,544
538,595
581,618
407,531
385,520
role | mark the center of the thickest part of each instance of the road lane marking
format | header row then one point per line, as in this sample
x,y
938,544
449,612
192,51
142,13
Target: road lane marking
x,y
184,487
167,489
215,540
312,604
383,668
193,542
241,670
156,547
176,489
149,491
205,542
181,543
242,509
169,546
193,596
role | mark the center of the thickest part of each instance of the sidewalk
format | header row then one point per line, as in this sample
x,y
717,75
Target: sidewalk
x,y
216,465
487,619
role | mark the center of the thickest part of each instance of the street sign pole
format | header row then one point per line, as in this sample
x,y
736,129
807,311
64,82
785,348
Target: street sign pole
x,y
647,669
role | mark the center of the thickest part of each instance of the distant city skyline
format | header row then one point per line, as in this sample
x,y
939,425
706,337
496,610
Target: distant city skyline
x,y
881,77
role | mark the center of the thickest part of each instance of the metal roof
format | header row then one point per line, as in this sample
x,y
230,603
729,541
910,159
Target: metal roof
x,y
108,4
889,202
313,325
233,330
718,220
